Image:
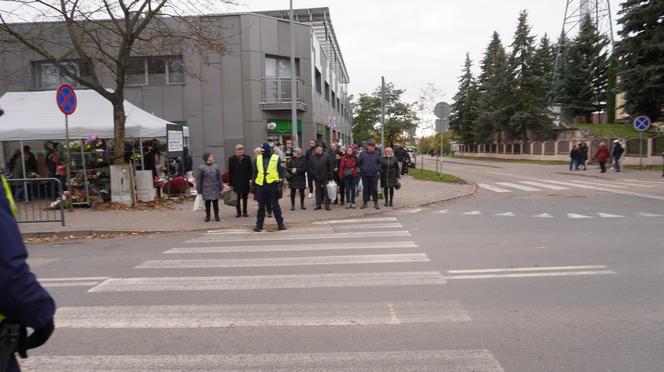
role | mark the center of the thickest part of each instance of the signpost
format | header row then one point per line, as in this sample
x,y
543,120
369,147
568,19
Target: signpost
x,y
65,97
442,111
175,140
641,123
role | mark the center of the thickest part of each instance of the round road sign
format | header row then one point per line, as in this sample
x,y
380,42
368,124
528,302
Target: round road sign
x,y
642,123
442,110
66,99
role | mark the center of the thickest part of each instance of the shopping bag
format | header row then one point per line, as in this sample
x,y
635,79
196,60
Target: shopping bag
x,y
332,190
230,198
199,203
360,188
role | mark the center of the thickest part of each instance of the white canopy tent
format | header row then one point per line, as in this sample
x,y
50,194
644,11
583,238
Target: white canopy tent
x,y
35,116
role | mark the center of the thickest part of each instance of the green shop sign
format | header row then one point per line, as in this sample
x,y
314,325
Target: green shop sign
x,y
320,129
284,126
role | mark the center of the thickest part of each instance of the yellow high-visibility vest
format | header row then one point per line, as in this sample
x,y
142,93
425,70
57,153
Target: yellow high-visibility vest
x,y
272,174
10,198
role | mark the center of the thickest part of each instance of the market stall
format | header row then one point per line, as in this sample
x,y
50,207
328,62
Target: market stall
x,y
34,118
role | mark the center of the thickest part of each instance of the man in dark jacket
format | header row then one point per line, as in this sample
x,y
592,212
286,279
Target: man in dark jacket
x,y
369,163
583,155
239,173
617,153
307,155
268,173
402,157
23,301
320,168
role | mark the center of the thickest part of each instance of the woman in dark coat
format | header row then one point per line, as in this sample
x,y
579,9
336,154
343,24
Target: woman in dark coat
x,y
239,173
208,184
389,175
297,168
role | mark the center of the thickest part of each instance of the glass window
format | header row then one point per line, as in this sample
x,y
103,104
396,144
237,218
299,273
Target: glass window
x,y
175,70
318,82
136,71
327,91
279,67
156,70
48,76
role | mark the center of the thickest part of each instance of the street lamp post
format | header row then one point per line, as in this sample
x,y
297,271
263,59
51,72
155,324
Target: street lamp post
x,y
382,112
294,92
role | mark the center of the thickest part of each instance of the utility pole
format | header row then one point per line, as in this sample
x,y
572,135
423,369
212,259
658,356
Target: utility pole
x,y
294,92
382,112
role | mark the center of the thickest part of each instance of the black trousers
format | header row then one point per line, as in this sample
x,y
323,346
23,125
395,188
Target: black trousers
x,y
268,195
292,195
215,205
321,192
243,198
370,188
388,192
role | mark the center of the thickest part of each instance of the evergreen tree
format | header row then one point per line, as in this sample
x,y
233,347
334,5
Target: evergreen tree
x,y
464,108
528,110
585,72
557,88
543,67
493,91
642,57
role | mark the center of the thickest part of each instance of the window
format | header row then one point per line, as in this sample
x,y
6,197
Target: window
x,y
47,75
327,91
318,81
334,100
338,105
155,70
279,67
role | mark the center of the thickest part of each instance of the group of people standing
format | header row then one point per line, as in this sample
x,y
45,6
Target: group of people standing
x,y
314,169
579,156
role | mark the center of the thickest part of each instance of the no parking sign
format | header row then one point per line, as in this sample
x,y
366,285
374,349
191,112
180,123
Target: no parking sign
x,y
66,99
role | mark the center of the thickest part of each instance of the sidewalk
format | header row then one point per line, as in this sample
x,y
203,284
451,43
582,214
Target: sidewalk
x,y
85,222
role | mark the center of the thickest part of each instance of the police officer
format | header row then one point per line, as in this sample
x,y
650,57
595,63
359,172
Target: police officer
x,y
268,173
23,301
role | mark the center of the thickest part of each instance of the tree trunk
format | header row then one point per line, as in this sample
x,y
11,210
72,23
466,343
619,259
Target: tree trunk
x,y
119,119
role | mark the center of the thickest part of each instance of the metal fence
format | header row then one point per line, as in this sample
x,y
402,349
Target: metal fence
x,y
36,199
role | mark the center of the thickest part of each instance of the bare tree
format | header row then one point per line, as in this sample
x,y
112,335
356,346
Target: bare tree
x,y
104,34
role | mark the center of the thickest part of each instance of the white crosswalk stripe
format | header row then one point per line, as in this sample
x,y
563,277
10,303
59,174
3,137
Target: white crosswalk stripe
x,y
544,185
210,248
493,188
477,360
577,216
517,186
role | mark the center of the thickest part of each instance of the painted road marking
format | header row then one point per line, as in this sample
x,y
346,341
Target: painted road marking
x,y
272,237
517,186
622,192
216,283
596,184
533,268
544,185
443,211
349,221
492,188
393,225
293,247
608,215
643,214
506,214
71,282
260,315
542,215
283,261
530,275
577,216
473,213
389,361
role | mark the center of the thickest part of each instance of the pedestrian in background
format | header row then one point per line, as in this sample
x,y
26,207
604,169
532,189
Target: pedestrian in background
x,y
574,158
369,163
296,169
239,174
267,176
602,156
583,155
618,150
403,157
209,184
320,168
389,175
349,174
307,155
341,195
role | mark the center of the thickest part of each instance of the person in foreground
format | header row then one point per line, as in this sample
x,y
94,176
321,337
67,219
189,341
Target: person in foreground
x,y
268,175
209,184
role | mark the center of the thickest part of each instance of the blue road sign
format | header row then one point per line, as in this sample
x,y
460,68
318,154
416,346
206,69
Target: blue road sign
x,y
66,99
642,123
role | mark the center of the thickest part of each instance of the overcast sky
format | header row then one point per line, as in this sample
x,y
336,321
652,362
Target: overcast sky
x,y
416,42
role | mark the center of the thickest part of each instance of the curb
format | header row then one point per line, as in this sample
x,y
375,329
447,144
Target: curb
x,y
88,233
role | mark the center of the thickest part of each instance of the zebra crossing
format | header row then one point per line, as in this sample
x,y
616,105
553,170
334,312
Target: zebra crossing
x,y
529,186
574,216
328,251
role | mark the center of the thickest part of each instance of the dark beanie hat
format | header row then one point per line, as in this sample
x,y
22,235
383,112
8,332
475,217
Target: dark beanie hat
x,y
267,149
206,156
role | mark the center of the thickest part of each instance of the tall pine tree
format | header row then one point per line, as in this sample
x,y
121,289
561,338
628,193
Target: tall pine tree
x,y
543,66
494,92
642,57
464,110
528,111
585,72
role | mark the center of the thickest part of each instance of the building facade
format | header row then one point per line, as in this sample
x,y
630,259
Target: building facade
x,y
229,97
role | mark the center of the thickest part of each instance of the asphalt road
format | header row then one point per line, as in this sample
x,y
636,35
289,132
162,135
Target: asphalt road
x,y
541,271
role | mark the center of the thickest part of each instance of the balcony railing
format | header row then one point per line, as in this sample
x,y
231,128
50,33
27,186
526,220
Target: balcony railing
x,y
276,94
